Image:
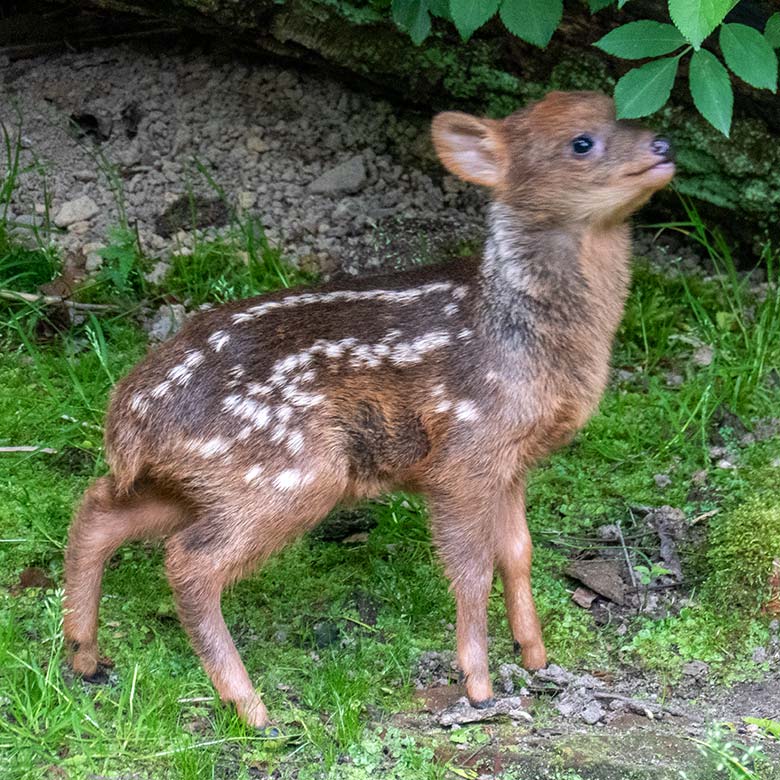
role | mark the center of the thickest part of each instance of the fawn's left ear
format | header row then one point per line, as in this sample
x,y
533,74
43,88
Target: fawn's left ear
x,y
471,148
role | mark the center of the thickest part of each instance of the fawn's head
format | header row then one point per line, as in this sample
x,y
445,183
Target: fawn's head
x,y
562,160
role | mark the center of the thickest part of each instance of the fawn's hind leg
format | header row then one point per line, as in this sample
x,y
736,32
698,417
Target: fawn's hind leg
x,y
206,557
103,522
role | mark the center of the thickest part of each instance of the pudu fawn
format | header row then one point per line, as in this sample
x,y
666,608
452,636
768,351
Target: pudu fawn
x,y
245,429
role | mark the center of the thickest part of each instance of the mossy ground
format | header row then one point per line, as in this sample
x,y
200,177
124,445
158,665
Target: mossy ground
x,y
383,600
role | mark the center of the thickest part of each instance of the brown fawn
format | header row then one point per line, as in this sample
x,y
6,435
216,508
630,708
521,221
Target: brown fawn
x,y
245,429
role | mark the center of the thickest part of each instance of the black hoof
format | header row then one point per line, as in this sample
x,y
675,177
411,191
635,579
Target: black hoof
x,y
517,648
100,677
484,704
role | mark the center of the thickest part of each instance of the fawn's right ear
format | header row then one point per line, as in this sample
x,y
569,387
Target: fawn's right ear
x,y
471,148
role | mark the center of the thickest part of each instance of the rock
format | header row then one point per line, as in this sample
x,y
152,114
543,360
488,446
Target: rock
x,y
696,669
78,210
509,677
167,321
93,260
662,480
256,144
246,200
601,576
703,356
583,597
674,380
725,463
760,655
608,533
462,711
159,272
554,674
592,713
348,178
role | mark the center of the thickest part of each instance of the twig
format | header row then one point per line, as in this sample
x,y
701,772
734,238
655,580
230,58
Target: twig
x,y
637,703
47,450
625,553
50,300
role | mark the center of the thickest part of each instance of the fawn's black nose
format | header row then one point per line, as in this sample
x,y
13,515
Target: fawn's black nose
x,y
663,147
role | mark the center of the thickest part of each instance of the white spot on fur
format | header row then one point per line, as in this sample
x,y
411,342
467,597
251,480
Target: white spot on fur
x,y
305,299
287,479
218,339
139,403
255,388
161,390
194,358
180,374
215,446
279,432
465,334
236,371
460,292
414,351
438,390
443,406
283,413
466,411
295,442
253,473
450,309
244,433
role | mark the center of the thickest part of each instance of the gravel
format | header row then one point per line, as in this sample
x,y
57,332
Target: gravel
x,y
334,175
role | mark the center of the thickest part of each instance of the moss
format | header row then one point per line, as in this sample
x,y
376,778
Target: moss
x,y
744,543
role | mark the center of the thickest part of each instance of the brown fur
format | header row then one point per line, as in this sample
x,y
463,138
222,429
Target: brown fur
x,y
246,428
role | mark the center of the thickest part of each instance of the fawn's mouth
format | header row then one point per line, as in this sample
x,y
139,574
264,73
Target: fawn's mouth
x,y
662,166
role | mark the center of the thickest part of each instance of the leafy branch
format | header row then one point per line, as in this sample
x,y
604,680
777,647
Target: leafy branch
x,y
748,53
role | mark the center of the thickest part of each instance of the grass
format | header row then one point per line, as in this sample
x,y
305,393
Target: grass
x,y
331,632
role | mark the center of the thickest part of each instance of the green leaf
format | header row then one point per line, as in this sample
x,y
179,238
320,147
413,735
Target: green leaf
x,y
412,16
711,89
644,38
470,15
532,20
644,90
749,55
772,30
440,8
598,5
696,19
621,3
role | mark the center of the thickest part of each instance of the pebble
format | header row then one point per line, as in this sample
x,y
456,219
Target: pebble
x,y
349,178
77,210
662,480
167,321
703,356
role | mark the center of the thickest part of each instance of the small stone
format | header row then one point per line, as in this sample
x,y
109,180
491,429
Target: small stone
x,y
662,480
592,713
696,669
158,273
246,200
601,576
78,210
167,321
760,655
674,380
93,260
583,597
256,144
280,637
703,356
775,463
699,478
349,177
85,175
79,228
608,533
725,463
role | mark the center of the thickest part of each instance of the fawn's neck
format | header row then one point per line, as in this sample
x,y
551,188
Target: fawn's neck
x,y
564,287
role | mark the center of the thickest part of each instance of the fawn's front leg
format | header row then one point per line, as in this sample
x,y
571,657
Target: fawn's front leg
x,y
513,557
463,535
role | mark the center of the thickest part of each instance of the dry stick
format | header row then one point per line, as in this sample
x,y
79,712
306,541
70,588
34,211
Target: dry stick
x,y
14,295
47,450
625,553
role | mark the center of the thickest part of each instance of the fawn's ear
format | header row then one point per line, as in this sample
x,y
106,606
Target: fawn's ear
x,y
471,148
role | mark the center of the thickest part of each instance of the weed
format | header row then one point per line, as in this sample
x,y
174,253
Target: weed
x,y
730,760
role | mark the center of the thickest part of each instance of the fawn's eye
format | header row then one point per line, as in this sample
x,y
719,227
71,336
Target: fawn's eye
x,y
582,144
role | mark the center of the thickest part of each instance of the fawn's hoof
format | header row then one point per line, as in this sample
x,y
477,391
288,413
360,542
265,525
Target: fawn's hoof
x,y
534,656
85,660
483,704
253,713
